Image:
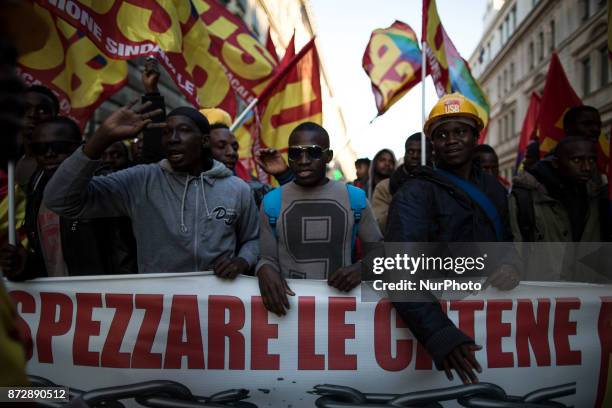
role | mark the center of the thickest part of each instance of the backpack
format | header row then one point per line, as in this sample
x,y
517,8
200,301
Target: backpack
x,y
273,200
525,213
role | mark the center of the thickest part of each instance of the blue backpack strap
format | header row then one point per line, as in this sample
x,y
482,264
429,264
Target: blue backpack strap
x,y
479,197
357,199
272,206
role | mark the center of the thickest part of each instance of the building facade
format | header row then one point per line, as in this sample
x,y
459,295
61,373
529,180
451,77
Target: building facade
x,y
283,18
512,57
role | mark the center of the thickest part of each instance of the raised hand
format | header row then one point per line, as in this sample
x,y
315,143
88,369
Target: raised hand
x,y
124,123
271,161
150,75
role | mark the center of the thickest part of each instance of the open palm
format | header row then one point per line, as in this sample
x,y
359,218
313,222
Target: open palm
x,y
127,122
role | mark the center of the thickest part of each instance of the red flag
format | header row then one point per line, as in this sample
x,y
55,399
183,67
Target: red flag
x,y
271,47
529,129
558,98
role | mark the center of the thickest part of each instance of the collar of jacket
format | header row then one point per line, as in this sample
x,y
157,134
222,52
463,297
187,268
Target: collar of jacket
x,y
217,171
543,179
476,177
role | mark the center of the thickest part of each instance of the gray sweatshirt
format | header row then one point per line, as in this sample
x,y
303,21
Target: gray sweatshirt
x,y
181,223
314,231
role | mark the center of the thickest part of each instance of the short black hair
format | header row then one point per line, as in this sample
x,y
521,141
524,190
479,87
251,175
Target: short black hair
x,y
571,116
566,141
311,127
43,90
219,125
484,148
75,130
363,160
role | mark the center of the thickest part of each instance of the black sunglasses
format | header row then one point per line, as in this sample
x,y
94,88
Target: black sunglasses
x,y
315,152
60,147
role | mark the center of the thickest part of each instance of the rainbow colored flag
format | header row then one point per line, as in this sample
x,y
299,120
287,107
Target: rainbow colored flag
x,y
450,72
392,60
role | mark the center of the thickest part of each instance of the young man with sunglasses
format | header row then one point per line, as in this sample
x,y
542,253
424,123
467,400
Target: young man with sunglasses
x,y
311,237
57,246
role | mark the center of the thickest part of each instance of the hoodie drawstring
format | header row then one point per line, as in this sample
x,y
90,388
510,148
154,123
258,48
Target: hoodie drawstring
x,y
183,226
208,214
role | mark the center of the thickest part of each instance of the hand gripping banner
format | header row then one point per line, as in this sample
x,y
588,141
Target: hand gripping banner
x,y
211,335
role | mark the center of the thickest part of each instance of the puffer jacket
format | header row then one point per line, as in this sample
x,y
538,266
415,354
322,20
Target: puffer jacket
x,y
428,208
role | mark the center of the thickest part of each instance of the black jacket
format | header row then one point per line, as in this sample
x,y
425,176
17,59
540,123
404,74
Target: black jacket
x,y
428,208
89,247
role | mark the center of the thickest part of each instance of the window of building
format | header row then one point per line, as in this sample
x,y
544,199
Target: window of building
x,y
507,27
553,40
499,86
505,128
541,46
512,128
489,56
513,18
500,131
500,31
604,66
512,75
586,75
505,81
531,56
242,5
586,9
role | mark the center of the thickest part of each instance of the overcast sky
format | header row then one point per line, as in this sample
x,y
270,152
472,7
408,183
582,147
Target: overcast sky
x,y
344,28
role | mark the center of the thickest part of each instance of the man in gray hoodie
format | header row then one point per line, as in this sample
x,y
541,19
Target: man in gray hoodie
x,y
188,212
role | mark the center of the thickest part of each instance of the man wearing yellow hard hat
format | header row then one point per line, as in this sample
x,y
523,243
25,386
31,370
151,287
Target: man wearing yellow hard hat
x,y
453,202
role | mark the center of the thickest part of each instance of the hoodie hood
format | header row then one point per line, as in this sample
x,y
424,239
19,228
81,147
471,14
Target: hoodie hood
x,y
217,171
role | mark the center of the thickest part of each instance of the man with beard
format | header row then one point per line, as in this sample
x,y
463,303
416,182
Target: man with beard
x,y
188,212
454,202
383,193
309,226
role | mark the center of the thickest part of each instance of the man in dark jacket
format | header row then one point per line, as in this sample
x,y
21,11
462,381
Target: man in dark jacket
x,y
431,208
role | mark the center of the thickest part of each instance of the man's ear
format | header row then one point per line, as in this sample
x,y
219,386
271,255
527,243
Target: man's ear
x,y
206,141
330,156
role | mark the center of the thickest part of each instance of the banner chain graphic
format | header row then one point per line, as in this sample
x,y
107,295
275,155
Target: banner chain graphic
x,y
472,395
158,394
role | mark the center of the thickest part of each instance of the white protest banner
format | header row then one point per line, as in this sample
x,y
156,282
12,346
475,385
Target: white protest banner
x,y
212,335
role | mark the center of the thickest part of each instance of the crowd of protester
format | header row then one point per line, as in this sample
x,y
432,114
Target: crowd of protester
x,y
175,198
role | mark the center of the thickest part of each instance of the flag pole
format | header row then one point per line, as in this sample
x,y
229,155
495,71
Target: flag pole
x,y
423,76
11,203
273,82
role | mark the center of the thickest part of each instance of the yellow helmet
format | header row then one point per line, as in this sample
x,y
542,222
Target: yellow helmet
x,y
216,115
454,107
